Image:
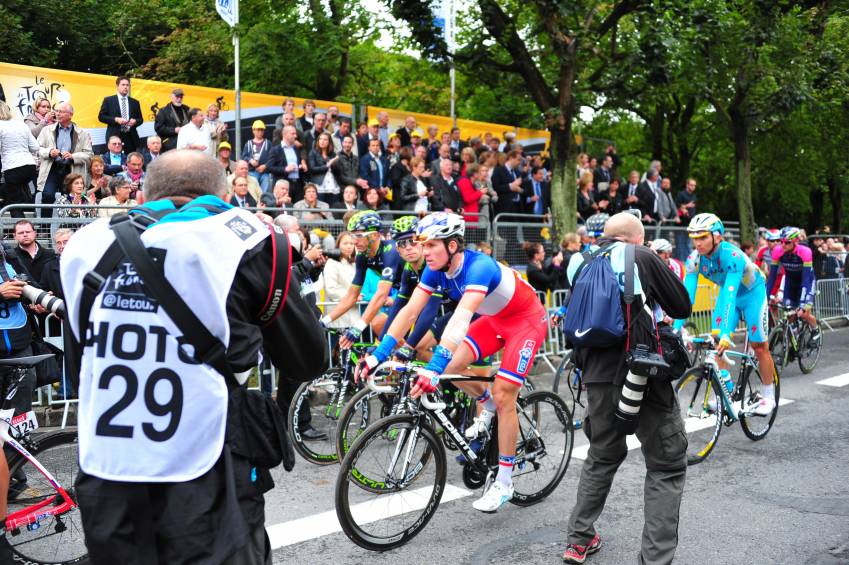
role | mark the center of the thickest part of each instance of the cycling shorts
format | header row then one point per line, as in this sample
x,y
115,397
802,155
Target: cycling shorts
x,y
792,297
438,327
519,335
753,306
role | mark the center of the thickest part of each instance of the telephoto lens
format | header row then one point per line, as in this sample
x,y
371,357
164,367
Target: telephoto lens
x,y
628,409
52,304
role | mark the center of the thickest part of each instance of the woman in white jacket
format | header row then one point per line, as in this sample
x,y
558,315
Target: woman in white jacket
x,y
17,149
337,277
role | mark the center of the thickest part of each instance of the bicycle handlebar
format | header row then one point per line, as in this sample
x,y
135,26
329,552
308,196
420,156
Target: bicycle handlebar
x,y
432,405
390,365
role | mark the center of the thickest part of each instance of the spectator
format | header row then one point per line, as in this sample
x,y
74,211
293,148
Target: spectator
x,y
470,193
170,119
290,120
569,245
267,200
240,197
536,193
333,121
154,149
288,106
686,202
383,127
446,193
494,144
196,134
284,162
467,157
616,161
135,174
122,115
217,128
364,140
42,115
443,154
64,148
74,194
241,170
611,201
50,280
421,153
349,202
98,182
632,198
374,168
305,122
311,208
415,194
337,277
225,150
31,255
488,195
456,144
586,198
416,142
280,192
392,149
120,189
338,137
432,141
667,212
658,167
826,265
603,175
484,247
373,200
585,239
507,183
397,173
311,136
543,277
346,168
405,134
648,193
321,159
114,158
17,147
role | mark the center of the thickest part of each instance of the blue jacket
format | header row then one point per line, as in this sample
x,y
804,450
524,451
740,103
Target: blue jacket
x,y
371,172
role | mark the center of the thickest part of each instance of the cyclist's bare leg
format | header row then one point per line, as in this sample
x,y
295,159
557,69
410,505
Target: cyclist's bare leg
x,y
4,485
423,348
809,317
377,324
767,368
461,359
505,395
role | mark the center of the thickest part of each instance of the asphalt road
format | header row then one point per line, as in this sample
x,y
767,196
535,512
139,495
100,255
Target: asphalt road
x,y
781,500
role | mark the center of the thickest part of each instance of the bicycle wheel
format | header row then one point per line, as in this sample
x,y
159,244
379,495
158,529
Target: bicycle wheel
x,y
809,349
544,446
403,487
779,347
756,427
319,404
365,408
700,402
51,539
569,387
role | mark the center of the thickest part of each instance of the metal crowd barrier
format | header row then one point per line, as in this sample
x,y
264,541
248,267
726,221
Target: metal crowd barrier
x,y
832,300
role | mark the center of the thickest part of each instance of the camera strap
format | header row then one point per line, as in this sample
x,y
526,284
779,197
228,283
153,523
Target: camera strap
x,y
629,290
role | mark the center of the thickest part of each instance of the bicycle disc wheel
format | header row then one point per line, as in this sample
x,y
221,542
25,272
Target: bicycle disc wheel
x,y
778,347
318,404
365,408
405,484
543,448
809,349
756,427
53,539
700,402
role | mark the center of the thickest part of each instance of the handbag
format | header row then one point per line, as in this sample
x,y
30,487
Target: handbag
x,y
329,184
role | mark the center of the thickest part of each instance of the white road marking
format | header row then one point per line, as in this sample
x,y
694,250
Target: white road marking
x,y
839,380
326,523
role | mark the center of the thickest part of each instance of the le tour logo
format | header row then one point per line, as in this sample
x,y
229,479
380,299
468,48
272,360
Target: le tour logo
x,y
41,87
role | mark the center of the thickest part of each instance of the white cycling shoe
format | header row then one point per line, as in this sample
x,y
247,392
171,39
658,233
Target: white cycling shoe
x,y
480,425
762,407
494,498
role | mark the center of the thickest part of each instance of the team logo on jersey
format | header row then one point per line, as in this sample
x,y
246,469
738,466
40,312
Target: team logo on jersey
x,y
124,289
241,228
525,355
387,272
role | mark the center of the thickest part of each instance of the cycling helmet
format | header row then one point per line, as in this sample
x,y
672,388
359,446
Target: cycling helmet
x,y
440,225
595,224
772,235
705,223
661,245
790,233
367,221
403,228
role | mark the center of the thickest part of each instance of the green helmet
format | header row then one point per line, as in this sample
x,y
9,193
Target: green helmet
x,y
403,228
364,221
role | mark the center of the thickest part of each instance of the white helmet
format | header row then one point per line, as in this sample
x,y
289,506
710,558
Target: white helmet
x,y
661,245
705,223
440,225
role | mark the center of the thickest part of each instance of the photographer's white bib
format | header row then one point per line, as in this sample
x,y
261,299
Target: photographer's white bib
x,y
148,412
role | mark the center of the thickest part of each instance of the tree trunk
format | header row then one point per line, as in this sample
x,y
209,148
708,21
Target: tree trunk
x,y
743,168
564,192
835,196
817,199
656,133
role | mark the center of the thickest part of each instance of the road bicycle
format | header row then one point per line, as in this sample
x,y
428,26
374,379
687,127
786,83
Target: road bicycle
x,y
793,339
43,523
324,398
706,405
569,386
393,477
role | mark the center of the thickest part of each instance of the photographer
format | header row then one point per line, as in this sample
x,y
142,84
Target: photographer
x,y
659,426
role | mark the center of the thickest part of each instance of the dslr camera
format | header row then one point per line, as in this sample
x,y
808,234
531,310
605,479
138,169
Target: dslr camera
x,y
647,363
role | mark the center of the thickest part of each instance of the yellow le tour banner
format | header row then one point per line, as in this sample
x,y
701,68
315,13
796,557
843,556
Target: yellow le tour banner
x,y
22,85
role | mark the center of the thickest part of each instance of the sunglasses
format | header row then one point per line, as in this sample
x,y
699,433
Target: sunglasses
x,y
405,243
699,236
787,242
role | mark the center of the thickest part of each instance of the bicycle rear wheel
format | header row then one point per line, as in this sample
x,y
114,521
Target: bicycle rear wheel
x,y
756,427
388,488
568,386
544,446
51,539
319,404
809,349
700,402
365,408
778,347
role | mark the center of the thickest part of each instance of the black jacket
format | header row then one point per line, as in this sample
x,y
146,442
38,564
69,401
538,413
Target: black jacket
x,y
35,265
345,170
660,286
446,194
544,279
111,109
168,118
501,179
646,196
408,193
528,192
50,279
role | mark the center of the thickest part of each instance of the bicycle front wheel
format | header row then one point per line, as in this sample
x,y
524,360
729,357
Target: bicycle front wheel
x,y
700,402
50,538
810,347
544,446
318,405
756,427
365,408
389,486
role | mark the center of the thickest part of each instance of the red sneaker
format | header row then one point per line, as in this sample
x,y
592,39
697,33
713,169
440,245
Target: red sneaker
x,y
578,553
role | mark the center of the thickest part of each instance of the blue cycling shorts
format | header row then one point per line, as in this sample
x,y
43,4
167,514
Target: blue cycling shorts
x,y
753,306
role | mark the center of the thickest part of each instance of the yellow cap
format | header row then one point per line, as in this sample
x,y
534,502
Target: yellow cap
x,y
258,124
224,145
416,133
373,122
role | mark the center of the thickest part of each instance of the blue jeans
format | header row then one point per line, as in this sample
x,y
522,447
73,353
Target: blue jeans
x,y
264,180
52,185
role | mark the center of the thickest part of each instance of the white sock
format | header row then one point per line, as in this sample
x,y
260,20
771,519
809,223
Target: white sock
x,y
487,403
768,391
505,469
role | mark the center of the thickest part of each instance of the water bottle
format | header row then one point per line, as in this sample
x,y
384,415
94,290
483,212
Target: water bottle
x,y
725,379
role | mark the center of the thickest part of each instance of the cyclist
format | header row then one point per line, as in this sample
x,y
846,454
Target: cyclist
x,y
799,280
511,318
742,290
664,250
772,237
372,254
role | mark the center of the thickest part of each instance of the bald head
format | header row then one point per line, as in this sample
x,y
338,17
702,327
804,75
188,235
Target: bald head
x,y
625,227
184,174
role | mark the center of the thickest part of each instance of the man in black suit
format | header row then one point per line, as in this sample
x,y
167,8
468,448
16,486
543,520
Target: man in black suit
x,y
122,115
374,168
536,193
507,183
241,198
457,145
405,133
646,192
285,162
153,151
364,140
446,193
170,119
